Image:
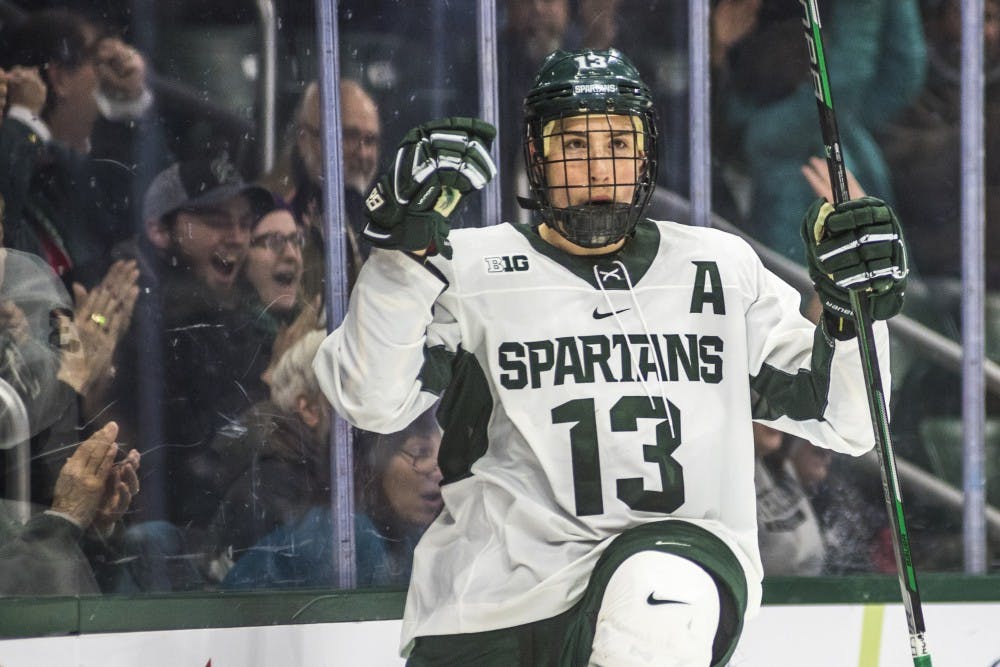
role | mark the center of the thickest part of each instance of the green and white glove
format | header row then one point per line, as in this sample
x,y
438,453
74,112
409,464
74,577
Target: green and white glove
x,y
436,163
857,245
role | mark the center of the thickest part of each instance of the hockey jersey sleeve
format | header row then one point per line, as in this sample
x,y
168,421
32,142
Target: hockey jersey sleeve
x,y
802,381
370,367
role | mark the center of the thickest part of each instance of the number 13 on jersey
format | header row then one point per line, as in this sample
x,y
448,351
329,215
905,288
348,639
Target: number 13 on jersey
x,y
624,417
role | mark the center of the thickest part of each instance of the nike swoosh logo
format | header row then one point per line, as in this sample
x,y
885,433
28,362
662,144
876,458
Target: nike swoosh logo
x,y
601,316
654,601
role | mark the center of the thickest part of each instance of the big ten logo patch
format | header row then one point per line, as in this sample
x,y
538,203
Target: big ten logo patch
x,y
375,199
506,263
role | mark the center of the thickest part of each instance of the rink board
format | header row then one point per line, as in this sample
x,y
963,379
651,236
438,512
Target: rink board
x,y
841,635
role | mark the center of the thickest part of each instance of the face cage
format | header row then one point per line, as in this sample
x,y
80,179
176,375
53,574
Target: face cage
x,y
589,223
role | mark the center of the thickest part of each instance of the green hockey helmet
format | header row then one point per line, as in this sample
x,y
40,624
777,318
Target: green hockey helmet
x,y
570,188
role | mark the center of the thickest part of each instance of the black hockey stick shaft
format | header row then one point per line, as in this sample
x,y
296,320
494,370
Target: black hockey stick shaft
x,y
860,304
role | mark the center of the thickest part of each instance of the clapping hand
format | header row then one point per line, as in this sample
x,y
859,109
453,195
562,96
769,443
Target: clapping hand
x,y
102,316
80,487
120,488
91,488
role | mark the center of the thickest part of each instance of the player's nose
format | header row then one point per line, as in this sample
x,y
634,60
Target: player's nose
x,y
600,168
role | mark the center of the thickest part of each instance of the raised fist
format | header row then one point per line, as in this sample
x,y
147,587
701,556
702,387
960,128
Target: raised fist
x,y
436,163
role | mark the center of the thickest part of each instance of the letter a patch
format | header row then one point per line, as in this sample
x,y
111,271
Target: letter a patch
x,y
707,289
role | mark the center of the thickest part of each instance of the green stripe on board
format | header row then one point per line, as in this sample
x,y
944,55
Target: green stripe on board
x,y
871,635
40,617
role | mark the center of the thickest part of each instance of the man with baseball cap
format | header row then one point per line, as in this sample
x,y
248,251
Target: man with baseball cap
x,y
198,214
193,358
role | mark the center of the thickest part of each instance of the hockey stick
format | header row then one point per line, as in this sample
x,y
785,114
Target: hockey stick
x,y
866,341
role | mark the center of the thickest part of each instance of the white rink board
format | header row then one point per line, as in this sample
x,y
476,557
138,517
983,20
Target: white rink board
x,y
960,635
370,644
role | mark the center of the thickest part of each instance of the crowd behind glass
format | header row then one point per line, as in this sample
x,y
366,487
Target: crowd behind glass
x,y
155,276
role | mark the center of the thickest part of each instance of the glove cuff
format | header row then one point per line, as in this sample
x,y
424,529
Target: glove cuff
x,y
838,328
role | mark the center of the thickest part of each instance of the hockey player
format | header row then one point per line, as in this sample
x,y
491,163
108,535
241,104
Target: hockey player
x,y
598,375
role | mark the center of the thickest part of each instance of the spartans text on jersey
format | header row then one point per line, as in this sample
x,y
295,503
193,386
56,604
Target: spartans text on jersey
x,y
602,358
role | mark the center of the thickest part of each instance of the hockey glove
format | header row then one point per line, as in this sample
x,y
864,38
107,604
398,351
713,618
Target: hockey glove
x,y
436,163
857,245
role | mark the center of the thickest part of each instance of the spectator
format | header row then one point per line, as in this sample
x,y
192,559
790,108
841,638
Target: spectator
x,y
791,541
878,55
46,556
267,470
923,149
274,272
277,467
362,135
61,204
398,496
299,176
851,510
30,297
398,488
57,360
923,145
273,267
193,360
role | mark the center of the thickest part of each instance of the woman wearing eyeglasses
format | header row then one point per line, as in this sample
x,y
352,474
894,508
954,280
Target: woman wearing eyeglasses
x,y
398,488
398,496
274,263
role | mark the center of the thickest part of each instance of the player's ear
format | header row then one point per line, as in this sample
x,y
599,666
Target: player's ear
x,y
536,154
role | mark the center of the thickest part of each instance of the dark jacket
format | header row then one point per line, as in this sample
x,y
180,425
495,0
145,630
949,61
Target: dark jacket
x,y
270,469
42,557
188,367
61,205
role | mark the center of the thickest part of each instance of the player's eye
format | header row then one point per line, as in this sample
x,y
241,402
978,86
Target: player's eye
x,y
622,144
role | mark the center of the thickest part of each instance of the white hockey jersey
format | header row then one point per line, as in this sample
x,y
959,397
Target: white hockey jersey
x,y
584,396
